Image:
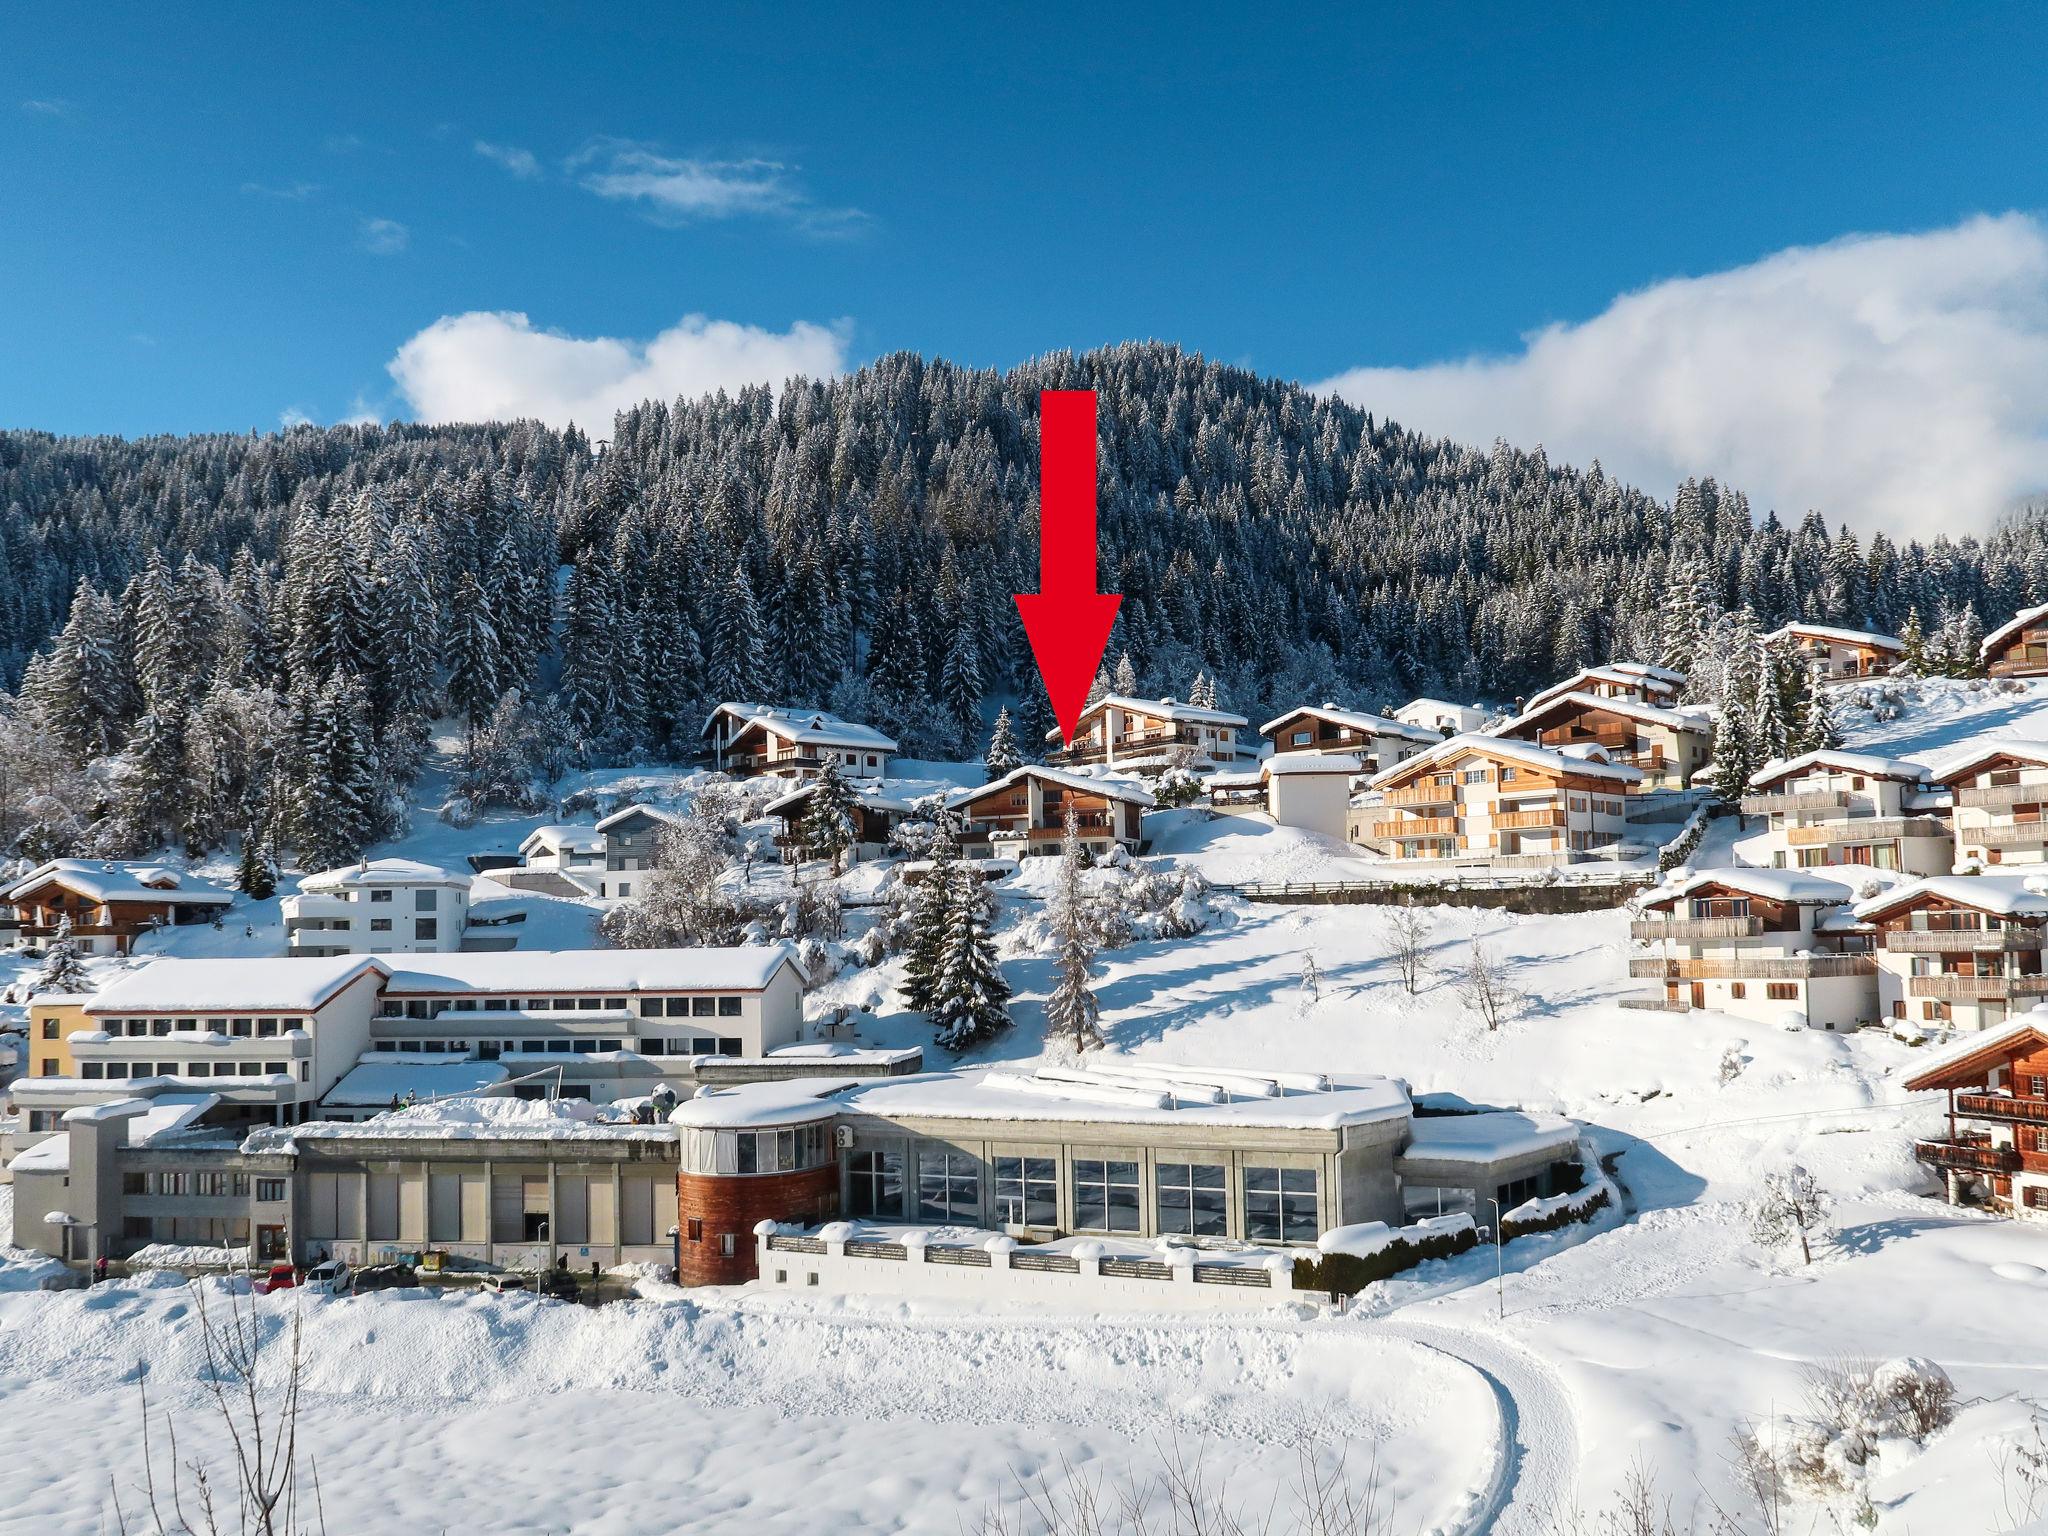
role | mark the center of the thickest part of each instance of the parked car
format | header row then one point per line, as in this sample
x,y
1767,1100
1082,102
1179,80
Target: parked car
x,y
499,1285
282,1277
385,1277
331,1277
559,1285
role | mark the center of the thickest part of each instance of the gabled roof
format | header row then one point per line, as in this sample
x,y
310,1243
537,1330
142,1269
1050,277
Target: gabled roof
x,y
1357,720
867,799
293,984
1158,709
1515,752
625,812
1964,1063
557,838
1801,887
1778,768
1976,757
1645,669
1831,632
1286,764
2022,896
1626,675
1631,709
1111,786
2011,627
807,727
106,880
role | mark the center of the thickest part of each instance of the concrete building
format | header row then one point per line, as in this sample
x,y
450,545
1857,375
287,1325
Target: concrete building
x,y
1311,790
1768,945
378,907
1998,793
1850,808
632,845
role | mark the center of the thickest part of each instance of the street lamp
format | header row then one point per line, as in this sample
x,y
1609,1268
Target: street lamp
x,y
1500,1294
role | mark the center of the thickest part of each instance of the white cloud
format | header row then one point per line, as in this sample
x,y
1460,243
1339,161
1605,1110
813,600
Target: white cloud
x,y
382,237
486,366
1891,381
46,106
683,190
520,162
295,416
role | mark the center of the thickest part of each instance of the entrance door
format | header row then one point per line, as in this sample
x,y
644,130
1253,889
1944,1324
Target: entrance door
x,y
1699,995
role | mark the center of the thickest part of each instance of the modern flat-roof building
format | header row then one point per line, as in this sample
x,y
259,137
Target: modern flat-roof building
x,y
377,907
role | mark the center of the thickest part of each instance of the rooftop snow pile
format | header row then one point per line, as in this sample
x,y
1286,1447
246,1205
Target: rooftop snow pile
x,y
298,984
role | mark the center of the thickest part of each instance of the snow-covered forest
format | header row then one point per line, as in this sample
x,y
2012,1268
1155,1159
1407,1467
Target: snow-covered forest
x,y
215,638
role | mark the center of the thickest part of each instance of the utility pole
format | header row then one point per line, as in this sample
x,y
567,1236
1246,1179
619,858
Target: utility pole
x,y
1500,1294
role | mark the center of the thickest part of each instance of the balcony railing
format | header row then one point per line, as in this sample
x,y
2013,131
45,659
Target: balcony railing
x,y
1650,929
2019,834
1508,821
2000,797
1975,989
1967,1155
1752,967
1421,794
1961,941
1866,829
1795,800
1655,1004
1999,1106
1417,826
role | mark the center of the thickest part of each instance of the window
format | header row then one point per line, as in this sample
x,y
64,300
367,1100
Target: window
x,y
730,1046
134,1183
426,928
170,1183
87,1069
948,1186
1932,1010
1105,1196
49,1029
1191,1199
2037,1087
1280,1205
673,1007
652,1007
1737,990
380,925
424,901
50,1067
703,1045
1782,991
696,1229
266,1029
380,896
703,1007
728,1007
725,1245
1028,1190
242,1029
159,1026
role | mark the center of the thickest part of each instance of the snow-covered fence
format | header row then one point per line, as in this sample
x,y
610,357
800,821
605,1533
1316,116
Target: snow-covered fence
x,y
842,1259
1549,891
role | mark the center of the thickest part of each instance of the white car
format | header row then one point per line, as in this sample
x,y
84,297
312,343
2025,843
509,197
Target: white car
x,y
330,1277
499,1285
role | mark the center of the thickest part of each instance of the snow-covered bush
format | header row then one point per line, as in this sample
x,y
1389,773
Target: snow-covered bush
x,y
1124,903
1179,786
1790,1207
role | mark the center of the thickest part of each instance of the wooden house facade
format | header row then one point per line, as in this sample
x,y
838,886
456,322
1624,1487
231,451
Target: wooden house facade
x,y
1994,1149
1024,812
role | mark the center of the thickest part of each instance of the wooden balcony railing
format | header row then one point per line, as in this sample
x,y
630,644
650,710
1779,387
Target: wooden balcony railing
x,y
1976,989
1960,941
1865,829
1508,821
1967,1155
1421,794
1417,826
1999,1106
1650,929
2016,834
1752,967
2000,797
1795,800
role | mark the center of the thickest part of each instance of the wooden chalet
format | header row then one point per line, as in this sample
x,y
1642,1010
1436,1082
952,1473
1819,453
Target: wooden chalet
x,y
1618,680
1959,951
750,739
108,904
1995,1150
1832,807
1999,803
1668,745
1844,654
875,816
1501,800
1024,812
1151,734
1324,728
2019,646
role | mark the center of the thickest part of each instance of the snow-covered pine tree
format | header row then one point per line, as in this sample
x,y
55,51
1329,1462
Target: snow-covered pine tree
x,y
1073,1016
1002,756
62,970
474,663
970,998
734,644
253,875
1818,728
1913,640
830,824
1768,732
1736,753
930,913
1125,679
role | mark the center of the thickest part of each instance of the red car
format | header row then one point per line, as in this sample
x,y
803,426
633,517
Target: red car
x,y
282,1277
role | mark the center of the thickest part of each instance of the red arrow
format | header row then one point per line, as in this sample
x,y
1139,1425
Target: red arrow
x,y
1066,618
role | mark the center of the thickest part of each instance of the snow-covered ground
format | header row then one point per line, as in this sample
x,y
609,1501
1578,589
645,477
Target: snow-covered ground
x,y
1651,1335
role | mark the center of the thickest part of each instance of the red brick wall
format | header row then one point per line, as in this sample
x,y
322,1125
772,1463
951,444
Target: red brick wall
x,y
730,1203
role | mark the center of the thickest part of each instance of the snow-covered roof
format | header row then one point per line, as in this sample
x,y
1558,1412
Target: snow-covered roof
x,y
496,1118
1488,1137
1136,1093
2011,627
1980,753
1556,760
626,812
868,799
106,880
793,1101
738,968
1622,675
1358,720
1779,768
809,727
1457,713
383,1076
1283,764
1114,786
2002,895
1827,885
383,872
1158,709
295,984
1630,709
147,1120
1646,669
557,838
1991,1042
1868,637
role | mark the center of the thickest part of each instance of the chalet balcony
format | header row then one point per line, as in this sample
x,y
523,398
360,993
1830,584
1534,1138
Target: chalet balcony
x,y
1420,795
1752,967
1509,821
774,762
1962,941
1999,1106
1800,800
2000,797
1417,826
1655,1003
1976,989
1865,829
2018,665
1967,1155
1648,930
2021,834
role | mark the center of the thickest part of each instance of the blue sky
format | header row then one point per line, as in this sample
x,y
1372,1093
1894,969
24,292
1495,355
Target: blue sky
x,y
210,223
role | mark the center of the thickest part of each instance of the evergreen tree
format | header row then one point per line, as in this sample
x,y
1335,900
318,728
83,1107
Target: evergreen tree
x,y
931,905
969,996
253,874
1002,756
1072,1014
734,645
1818,728
1914,642
831,820
1125,679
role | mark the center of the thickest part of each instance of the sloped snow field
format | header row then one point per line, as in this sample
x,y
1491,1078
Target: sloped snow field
x,y
1517,1406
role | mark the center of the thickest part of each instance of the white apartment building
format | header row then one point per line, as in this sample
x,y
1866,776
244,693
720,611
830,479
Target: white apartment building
x,y
1830,807
1500,801
1443,717
1769,945
378,907
1998,794
1960,951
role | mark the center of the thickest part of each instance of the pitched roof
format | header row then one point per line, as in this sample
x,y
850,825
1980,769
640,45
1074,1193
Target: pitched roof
x,y
1515,751
1358,720
2011,627
809,727
1626,675
293,984
1842,762
109,880
606,823
1113,786
1831,632
1158,709
1633,709
1804,887
868,799
1976,756
2002,895
1962,1063
743,967
1285,764
558,836
1645,669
